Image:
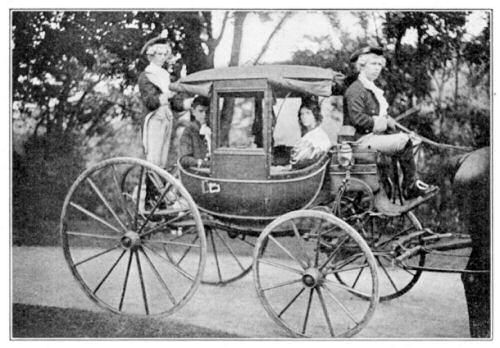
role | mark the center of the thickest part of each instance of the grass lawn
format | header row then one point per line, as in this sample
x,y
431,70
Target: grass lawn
x,y
51,322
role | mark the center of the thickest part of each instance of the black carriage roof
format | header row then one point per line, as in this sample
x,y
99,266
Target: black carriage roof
x,y
285,79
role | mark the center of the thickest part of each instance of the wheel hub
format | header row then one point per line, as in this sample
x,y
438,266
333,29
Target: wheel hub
x,y
312,277
130,240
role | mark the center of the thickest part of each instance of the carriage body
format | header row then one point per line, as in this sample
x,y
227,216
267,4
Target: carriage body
x,y
243,181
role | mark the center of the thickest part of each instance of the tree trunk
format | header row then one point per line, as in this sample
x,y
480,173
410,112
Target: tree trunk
x,y
273,33
212,42
239,19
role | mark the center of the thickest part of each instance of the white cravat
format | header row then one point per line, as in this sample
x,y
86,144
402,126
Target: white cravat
x,y
379,94
206,132
159,77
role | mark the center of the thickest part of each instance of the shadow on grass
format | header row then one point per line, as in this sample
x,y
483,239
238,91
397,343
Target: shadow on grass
x,y
51,322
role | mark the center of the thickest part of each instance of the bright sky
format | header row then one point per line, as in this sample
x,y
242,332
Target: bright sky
x,y
293,35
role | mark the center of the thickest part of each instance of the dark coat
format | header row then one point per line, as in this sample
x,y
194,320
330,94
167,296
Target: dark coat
x,y
360,105
192,146
150,93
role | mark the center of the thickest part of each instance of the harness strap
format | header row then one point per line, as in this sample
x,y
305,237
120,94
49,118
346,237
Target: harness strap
x,y
432,142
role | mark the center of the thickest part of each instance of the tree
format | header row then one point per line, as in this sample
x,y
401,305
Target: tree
x,y
439,35
60,57
73,74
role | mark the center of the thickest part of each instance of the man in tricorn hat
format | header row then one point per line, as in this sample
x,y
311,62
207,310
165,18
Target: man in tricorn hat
x,y
365,108
154,84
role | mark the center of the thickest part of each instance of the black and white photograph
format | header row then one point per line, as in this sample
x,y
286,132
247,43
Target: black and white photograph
x,y
250,173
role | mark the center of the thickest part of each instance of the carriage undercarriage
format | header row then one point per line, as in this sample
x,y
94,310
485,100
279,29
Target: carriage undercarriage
x,y
336,259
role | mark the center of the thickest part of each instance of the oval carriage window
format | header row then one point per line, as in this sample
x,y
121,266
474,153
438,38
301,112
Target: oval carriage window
x,y
240,120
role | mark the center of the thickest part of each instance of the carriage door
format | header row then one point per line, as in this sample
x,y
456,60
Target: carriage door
x,y
239,141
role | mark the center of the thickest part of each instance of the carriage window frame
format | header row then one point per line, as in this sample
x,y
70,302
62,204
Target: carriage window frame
x,y
250,94
243,86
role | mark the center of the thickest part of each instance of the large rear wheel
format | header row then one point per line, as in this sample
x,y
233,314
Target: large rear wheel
x,y
120,226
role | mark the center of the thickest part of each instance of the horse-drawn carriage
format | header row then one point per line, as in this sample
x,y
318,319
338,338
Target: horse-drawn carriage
x,y
320,239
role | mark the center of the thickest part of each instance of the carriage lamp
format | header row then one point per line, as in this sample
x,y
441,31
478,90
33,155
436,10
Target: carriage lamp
x,y
345,155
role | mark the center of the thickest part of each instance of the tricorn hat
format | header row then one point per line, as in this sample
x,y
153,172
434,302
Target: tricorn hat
x,y
379,51
158,40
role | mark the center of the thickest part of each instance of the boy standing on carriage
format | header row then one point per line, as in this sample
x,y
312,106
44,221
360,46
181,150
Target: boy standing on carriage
x,y
365,108
154,84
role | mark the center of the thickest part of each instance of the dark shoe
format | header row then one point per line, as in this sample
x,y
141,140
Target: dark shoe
x,y
418,188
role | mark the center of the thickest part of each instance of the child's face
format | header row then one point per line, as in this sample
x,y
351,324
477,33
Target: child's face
x,y
161,55
200,113
307,117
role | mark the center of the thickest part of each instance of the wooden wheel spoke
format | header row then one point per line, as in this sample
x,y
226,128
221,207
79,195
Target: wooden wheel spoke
x,y
391,259
344,308
281,266
91,235
95,217
228,247
291,302
138,197
159,277
151,214
163,225
125,281
347,288
339,266
300,243
304,266
168,242
119,192
282,284
413,274
308,310
334,252
355,282
186,251
325,312
215,255
171,263
109,272
106,204
387,274
96,255
157,182
141,280
354,268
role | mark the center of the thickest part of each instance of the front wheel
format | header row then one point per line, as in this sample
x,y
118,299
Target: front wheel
x,y
296,260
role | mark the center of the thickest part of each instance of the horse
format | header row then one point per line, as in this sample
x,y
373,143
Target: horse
x,y
471,186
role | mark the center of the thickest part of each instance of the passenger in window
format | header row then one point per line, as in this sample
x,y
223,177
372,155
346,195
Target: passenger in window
x,y
194,147
314,142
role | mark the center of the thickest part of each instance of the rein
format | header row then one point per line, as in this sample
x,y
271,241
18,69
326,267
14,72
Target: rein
x,y
424,139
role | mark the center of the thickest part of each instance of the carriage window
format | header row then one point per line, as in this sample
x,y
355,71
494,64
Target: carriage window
x,y
240,116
